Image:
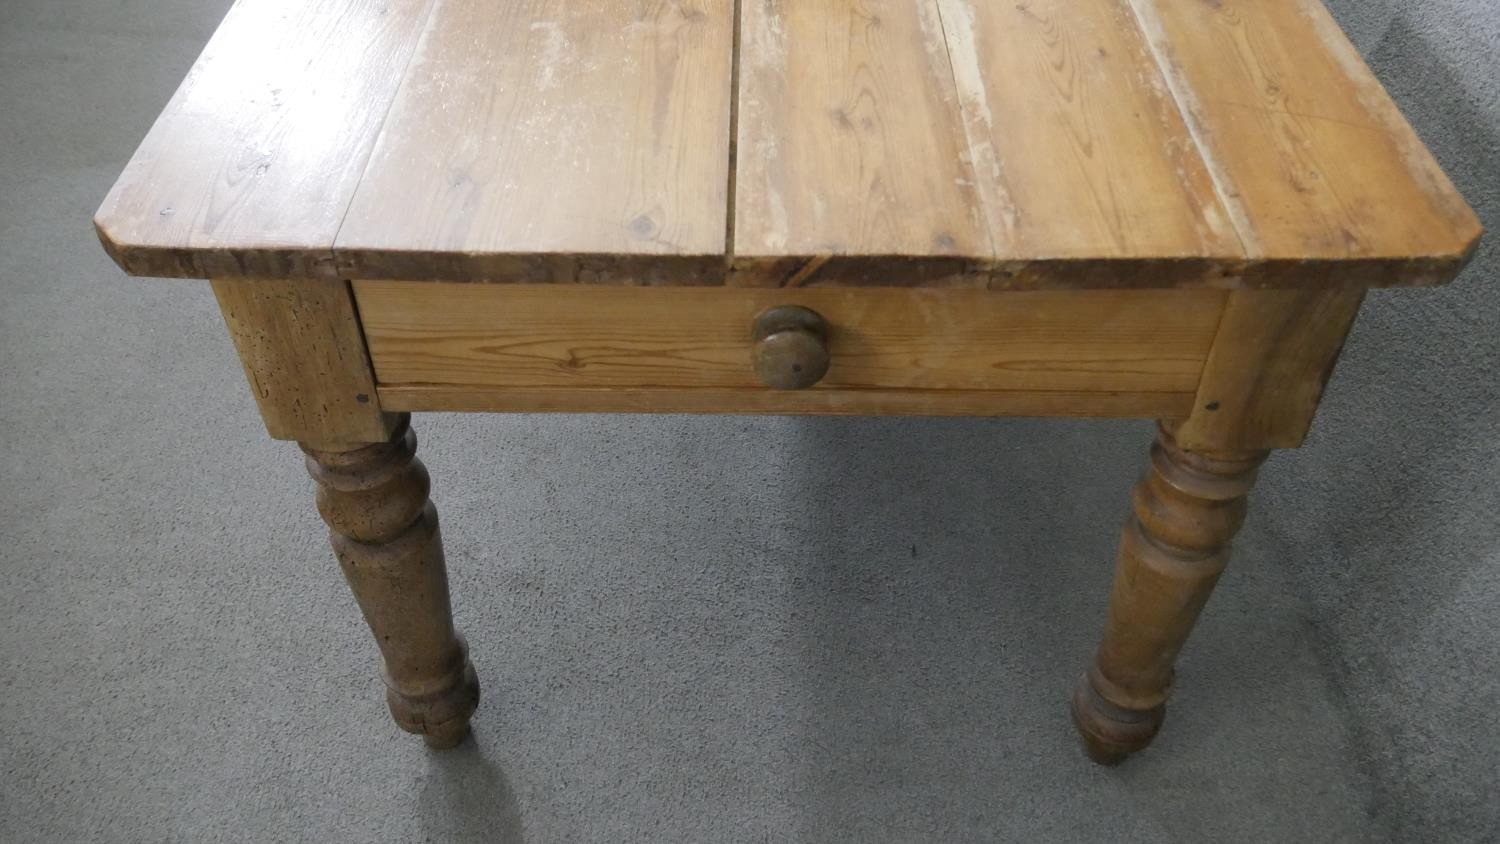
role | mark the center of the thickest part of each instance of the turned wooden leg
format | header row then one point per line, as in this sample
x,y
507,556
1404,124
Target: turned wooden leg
x,y
1186,510
385,535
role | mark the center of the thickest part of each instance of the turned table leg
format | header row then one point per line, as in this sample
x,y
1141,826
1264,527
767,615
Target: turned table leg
x,y
385,534
1176,544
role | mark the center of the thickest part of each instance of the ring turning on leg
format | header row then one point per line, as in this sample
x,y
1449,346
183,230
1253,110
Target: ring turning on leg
x,y
1185,512
385,534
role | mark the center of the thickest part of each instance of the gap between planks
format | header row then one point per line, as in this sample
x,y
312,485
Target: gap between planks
x,y
1186,100
974,114
969,86
427,23
999,209
734,139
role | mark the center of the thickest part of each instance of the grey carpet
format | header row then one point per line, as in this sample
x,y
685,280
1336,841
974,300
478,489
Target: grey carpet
x,y
1389,521
710,629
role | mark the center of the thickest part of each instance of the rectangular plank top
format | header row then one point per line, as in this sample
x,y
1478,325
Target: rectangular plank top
x,y
1017,145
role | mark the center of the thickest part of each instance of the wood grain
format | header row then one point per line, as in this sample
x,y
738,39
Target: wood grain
x,y
765,402
1043,144
1271,360
1185,512
1313,160
250,168
1080,149
384,531
851,144
299,342
518,336
548,140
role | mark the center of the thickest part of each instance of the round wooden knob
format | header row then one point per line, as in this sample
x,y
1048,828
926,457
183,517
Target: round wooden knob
x,y
791,347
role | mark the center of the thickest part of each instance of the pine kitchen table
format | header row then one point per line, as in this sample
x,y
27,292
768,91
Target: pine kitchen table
x,y
1164,209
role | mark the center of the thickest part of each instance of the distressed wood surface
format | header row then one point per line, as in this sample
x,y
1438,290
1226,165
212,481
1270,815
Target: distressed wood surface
x,y
300,345
554,140
1078,144
532,336
250,168
1034,145
851,143
1313,160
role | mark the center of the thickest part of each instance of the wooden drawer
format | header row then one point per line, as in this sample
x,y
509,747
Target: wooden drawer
x,y
438,346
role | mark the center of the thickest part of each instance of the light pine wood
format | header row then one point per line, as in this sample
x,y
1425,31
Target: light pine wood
x,y
851,145
553,140
1272,357
1176,544
384,532
300,345
767,402
515,336
250,168
1323,176
1238,144
1078,143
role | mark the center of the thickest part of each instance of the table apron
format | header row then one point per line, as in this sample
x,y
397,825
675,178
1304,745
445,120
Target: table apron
x,y
895,351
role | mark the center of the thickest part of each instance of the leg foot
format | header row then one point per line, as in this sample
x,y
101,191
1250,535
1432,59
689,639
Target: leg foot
x,y
385,534
1111,733
444,722
1176,544
440,718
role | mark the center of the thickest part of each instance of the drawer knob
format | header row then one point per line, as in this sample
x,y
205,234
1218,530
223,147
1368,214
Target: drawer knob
x,y
791,347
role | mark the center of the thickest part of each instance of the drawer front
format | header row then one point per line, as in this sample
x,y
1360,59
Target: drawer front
x,y
963,352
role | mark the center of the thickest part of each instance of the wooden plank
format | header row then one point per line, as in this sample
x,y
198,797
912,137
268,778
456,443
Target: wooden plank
x,y
1271,360
1036,145
1313,160
1080,149
554,140
519,336
1073,145
851,145
249,170
300,345
762,402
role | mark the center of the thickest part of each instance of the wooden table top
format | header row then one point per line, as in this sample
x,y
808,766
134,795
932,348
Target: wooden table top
x,y
1012,145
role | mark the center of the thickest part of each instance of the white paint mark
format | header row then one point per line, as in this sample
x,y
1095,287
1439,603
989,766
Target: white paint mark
x,y
1414,154
1192,116
557,53
776,237
953,26
764,54
768,38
